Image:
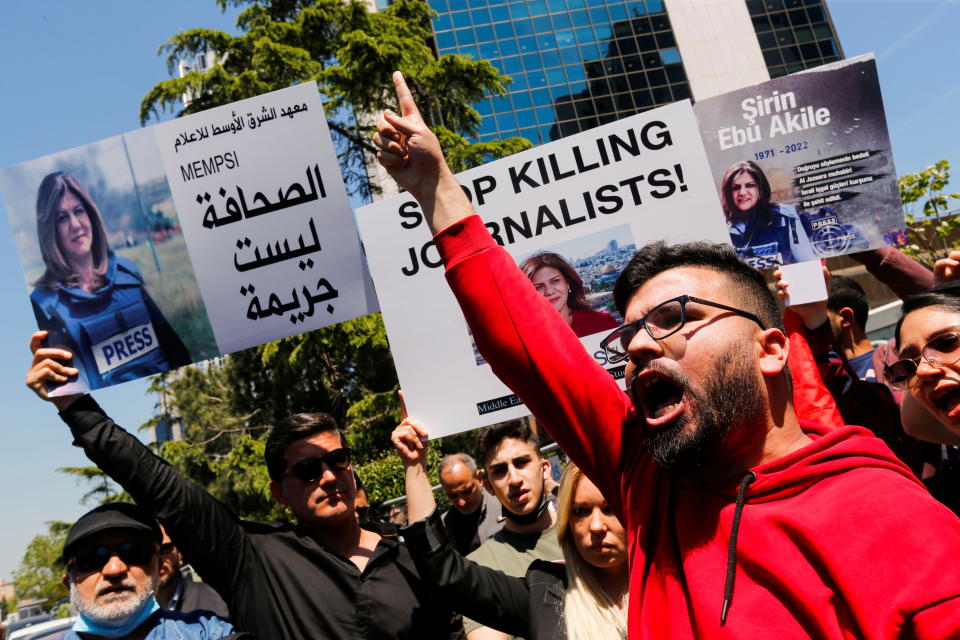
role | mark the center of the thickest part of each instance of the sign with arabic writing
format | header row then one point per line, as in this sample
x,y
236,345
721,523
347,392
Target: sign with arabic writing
x,y
193,238
572,213
803,165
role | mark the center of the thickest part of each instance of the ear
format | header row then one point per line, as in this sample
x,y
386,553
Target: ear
x,y
546,468
276,490
482,476
774,350
847,317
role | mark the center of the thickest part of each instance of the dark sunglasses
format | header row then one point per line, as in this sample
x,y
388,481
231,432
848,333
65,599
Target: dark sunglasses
x,y
661,322
310,469
136,552
941,350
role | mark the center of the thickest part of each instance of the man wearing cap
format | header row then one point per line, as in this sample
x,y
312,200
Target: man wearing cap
x,y
326,576
113,571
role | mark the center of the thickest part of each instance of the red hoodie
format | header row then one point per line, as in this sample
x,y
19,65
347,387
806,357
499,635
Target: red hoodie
x,y
835,540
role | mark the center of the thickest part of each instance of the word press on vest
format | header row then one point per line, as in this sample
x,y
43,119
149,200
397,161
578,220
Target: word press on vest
x,y
124,347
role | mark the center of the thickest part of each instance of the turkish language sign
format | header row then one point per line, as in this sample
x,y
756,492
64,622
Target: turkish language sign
x,y
189,239
571,212
803,165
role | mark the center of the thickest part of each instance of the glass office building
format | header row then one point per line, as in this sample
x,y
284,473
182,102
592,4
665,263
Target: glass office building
x,y
576,64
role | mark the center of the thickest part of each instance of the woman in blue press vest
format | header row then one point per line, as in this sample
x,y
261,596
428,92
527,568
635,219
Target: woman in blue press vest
x,y
92,301
765,234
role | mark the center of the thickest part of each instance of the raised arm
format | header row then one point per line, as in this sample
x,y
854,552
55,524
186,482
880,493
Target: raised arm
x,y
411,154
201,527
409,439
528,345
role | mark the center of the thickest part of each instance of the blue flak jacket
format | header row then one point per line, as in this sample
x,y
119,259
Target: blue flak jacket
x,y
782,240
116,333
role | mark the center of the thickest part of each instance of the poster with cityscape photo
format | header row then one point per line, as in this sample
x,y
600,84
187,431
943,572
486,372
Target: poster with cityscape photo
x,y
571,213
803,165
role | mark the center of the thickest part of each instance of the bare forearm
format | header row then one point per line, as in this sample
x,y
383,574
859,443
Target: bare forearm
x,y
420,501
446,203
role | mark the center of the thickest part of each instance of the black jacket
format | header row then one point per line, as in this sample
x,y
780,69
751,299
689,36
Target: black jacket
x,y
530,607
199,596
278,581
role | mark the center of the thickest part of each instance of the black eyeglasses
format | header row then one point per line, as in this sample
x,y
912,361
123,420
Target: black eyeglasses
x,y
310,469
941,350
165,548
136,552
661,322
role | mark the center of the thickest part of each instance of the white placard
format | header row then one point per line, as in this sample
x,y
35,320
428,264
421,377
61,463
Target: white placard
x,y
210,233
265,214
806,282
591,198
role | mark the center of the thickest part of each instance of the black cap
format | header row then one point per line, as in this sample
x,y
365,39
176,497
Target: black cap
x,y
108,517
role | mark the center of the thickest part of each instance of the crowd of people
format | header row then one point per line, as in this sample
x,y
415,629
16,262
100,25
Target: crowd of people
x,y
723,495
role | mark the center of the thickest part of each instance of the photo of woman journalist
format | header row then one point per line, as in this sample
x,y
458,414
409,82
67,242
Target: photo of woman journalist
x,y
764,233
92,301
577,276
559,283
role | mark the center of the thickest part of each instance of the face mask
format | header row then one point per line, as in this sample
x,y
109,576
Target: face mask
x,y
528,518
117,628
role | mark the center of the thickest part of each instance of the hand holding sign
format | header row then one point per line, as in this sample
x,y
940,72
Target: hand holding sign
x,y
47,369
411,154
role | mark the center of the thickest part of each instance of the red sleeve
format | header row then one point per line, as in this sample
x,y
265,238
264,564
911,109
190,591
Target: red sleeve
x,y
534,352
811,399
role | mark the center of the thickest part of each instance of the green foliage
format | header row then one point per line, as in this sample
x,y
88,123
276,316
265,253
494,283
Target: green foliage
x,y
40,572
104,490
931,223
350,52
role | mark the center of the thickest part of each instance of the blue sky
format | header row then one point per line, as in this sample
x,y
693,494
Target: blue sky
x,y
76,72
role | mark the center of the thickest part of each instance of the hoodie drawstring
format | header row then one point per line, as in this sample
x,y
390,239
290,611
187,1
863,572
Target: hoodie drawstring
x,y
732,548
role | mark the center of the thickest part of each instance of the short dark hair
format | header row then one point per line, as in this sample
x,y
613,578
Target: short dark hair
x,y
289,430
847,292
946,295
657,257
491,437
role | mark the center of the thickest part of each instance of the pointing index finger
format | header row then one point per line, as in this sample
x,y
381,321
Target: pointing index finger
x,y
407,106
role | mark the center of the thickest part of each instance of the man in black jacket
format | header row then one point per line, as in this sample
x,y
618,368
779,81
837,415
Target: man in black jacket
x,y
323,577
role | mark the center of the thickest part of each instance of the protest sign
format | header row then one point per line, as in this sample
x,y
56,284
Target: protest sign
x,y
803,164
189,239
589,199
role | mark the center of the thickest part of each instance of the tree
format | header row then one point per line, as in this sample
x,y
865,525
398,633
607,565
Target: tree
x,y
41,572
104,490
931,223
350,52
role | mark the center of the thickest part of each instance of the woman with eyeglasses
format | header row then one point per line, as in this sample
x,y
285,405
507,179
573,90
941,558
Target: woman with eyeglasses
x,y
557,281
584,598
928,371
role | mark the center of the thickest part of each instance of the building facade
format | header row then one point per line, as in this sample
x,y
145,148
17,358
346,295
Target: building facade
x,y
576,64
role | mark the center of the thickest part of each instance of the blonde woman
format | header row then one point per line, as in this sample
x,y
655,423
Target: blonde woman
x,y
582,599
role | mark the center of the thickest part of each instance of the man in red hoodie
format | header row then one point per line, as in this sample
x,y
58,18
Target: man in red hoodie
x,y
743,522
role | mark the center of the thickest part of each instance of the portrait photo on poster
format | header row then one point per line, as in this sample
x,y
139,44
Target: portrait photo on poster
x,y
577,277
105,261
804,171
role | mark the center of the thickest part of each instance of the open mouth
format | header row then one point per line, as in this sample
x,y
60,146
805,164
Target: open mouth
x,y
662,399
115,592
948,401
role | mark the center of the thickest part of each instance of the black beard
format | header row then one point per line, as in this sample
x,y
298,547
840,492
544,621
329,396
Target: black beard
x,y
730,396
